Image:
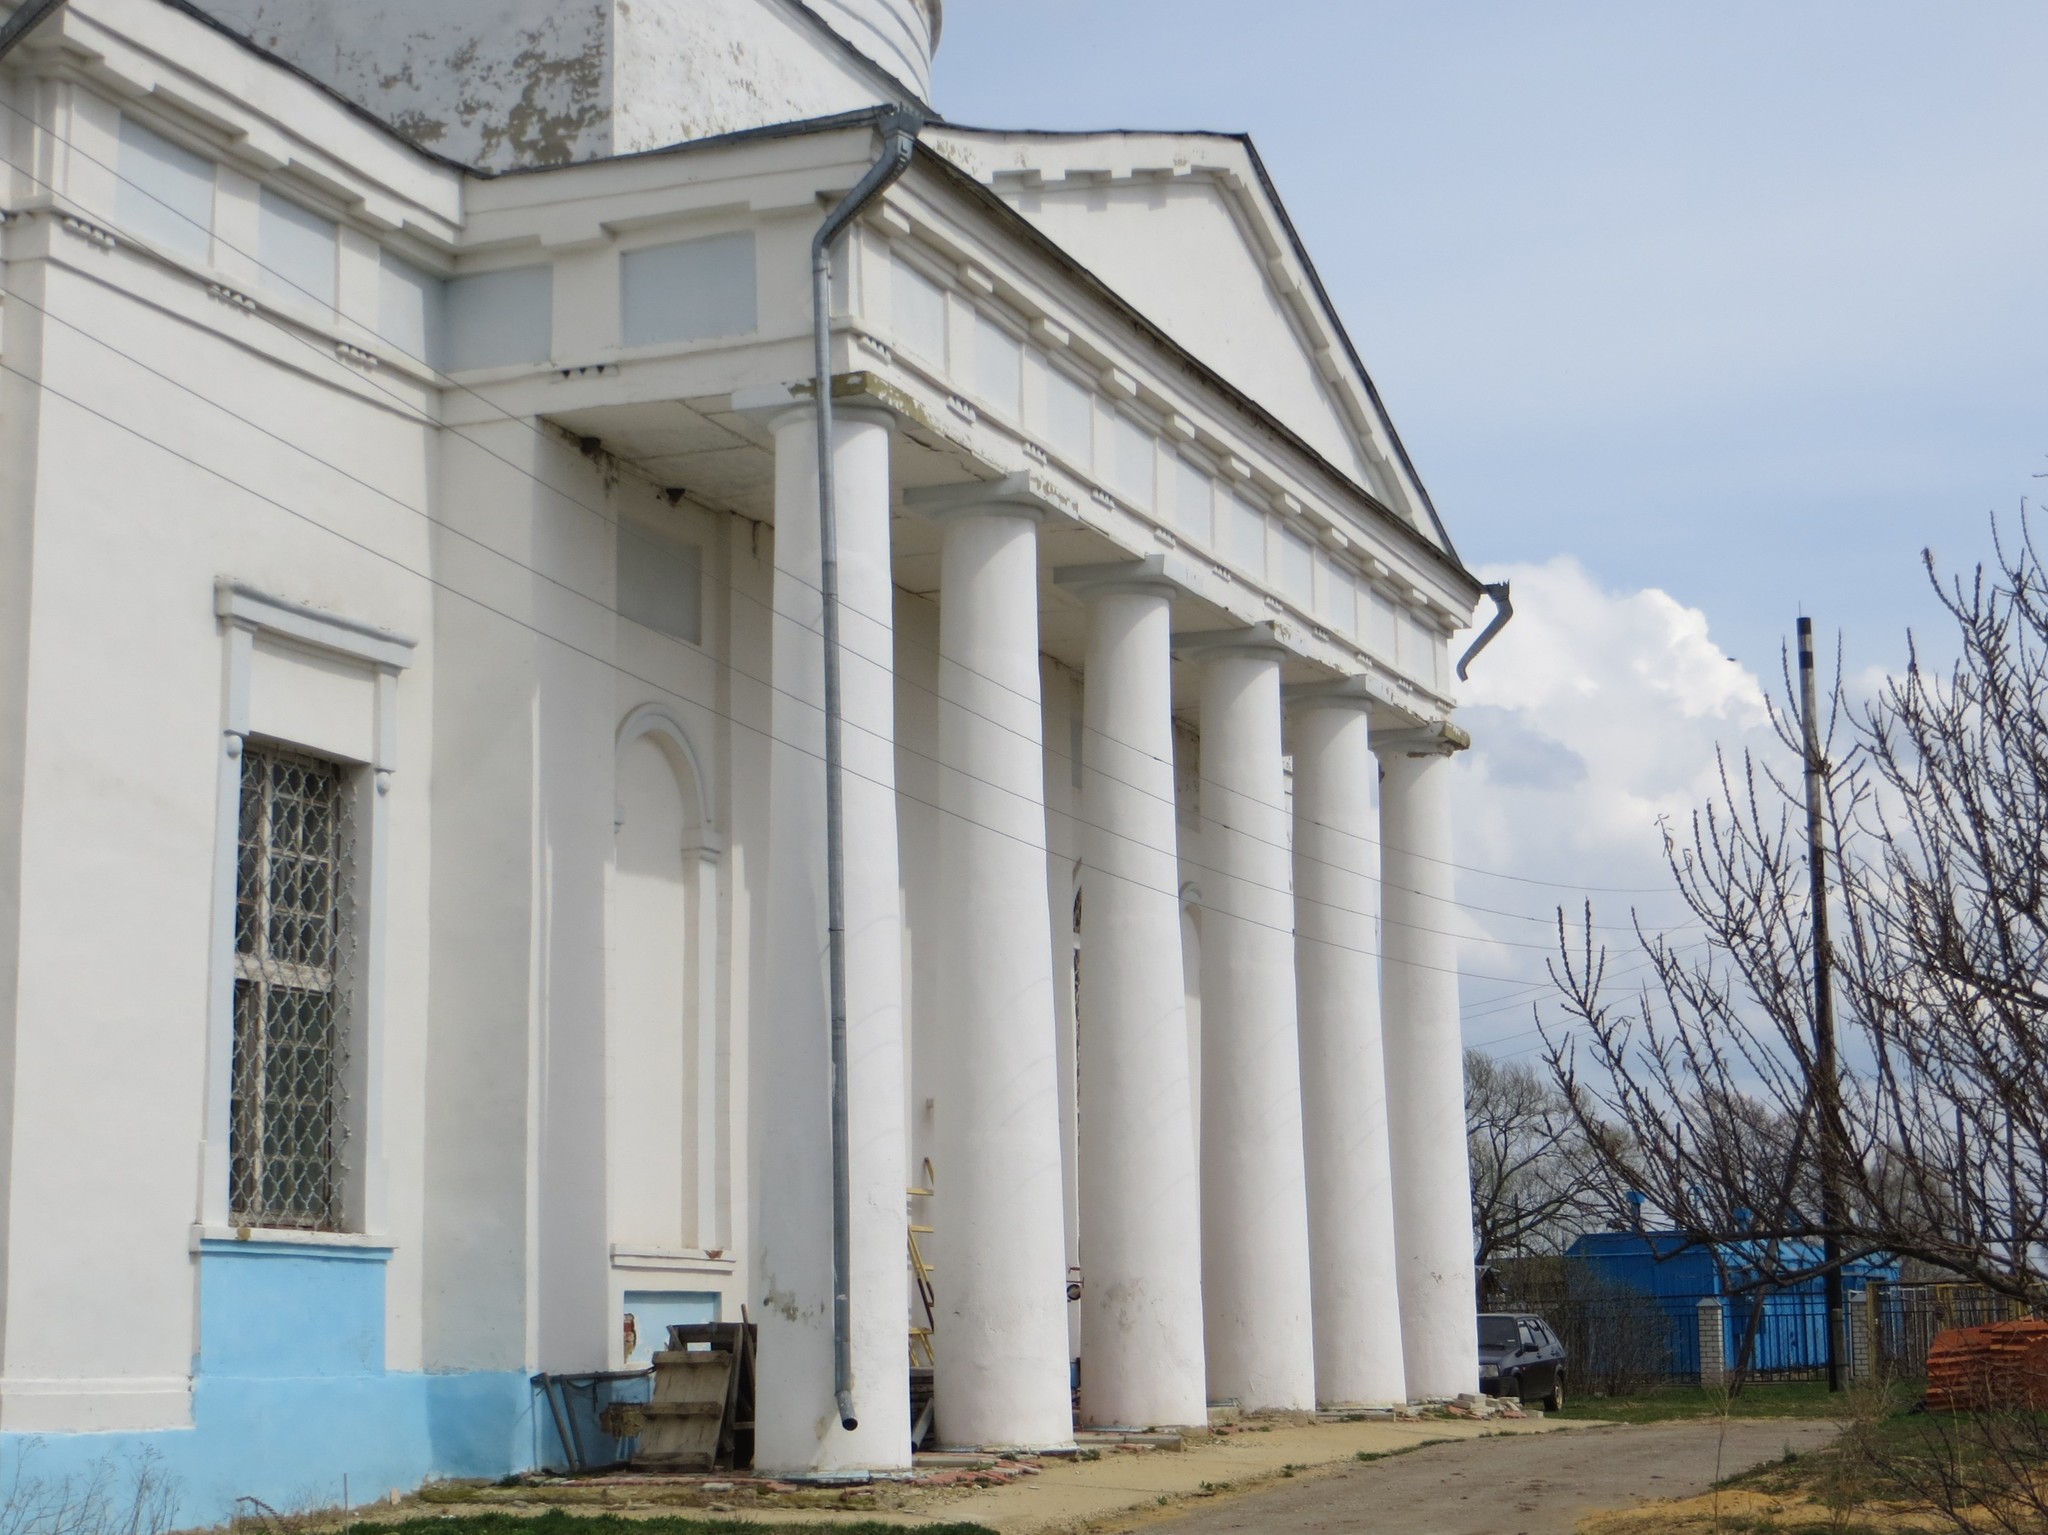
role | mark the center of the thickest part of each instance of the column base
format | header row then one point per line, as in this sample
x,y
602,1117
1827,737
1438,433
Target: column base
x,y
998,1451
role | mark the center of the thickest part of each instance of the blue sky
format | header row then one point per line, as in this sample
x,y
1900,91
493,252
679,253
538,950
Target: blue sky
x,y
1744,301
1694,316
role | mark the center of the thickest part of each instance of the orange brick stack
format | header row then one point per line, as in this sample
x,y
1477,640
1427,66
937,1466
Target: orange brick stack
x,y
2005,1365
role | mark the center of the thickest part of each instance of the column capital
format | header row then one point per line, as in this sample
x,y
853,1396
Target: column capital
x,y
1027,493
1352,694
854,398
1249,640
1147,576
1442,739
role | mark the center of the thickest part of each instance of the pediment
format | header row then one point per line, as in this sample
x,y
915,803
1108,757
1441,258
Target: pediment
x,y
1184,229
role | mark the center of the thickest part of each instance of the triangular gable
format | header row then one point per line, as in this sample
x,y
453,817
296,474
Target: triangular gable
x,y
1185,229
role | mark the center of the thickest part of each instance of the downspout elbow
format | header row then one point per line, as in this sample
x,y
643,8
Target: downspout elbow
x,y
1503,610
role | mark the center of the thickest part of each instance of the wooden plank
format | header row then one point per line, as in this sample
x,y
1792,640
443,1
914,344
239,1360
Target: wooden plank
x,y
652,1410
688,1412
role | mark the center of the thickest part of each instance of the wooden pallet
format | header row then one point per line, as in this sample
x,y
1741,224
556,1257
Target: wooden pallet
x,y
701,1417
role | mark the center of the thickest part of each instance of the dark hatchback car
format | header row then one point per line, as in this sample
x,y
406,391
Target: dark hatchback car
x,y
1519,1356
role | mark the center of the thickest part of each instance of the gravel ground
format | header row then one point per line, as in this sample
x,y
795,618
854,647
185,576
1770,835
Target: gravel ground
x,y
1524,1484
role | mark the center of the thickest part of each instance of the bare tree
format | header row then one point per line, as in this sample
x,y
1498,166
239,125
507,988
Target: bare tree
x,y
1536,1183
1933,1128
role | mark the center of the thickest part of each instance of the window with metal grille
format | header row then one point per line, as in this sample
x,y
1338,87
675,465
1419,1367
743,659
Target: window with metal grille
x,y
291,962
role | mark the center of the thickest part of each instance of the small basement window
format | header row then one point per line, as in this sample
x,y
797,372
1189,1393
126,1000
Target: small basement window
x,y
293,947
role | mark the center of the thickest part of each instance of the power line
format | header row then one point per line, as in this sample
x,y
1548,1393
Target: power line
x,y
894,743
768,735
603,516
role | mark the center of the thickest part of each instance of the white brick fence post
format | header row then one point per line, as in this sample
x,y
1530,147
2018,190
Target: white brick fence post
x,y
1713,1346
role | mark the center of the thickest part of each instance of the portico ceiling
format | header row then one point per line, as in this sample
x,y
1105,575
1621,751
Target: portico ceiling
x,y
725,460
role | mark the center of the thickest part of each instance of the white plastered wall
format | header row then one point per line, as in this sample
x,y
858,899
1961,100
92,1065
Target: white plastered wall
x,y
687,69
551,1211
1119,232
123,710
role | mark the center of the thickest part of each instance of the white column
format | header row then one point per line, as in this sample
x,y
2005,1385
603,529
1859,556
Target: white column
x,y
1255,1256
790,1068
999,1211
1425,1066
1141,1319
1343,1073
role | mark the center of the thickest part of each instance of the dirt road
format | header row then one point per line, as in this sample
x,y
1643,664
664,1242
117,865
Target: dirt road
x,y
1534,1484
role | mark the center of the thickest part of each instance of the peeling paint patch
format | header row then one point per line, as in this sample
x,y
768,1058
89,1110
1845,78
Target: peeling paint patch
x,y
496,83
504,83
420,128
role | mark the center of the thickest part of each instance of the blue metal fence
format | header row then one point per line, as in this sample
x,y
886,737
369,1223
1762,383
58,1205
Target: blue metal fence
x,y
1628,1305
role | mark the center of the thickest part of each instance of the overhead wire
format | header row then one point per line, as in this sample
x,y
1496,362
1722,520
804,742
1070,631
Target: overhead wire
x,y
426,421
387,495
527,424
1097,869
422,419
894,743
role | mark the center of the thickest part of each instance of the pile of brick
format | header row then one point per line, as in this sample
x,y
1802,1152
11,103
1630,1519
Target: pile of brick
x,y
1975,1369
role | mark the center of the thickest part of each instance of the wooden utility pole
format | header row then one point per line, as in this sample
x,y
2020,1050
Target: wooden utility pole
x,y
1823,1087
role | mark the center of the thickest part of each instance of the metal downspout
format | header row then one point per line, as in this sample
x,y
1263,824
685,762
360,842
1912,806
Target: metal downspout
x,y
899,131
1503,610
31,15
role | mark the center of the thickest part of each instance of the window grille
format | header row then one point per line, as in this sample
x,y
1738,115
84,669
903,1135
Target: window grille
x,y
292,952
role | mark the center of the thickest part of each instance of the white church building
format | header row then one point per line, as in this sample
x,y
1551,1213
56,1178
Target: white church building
x,y
417,965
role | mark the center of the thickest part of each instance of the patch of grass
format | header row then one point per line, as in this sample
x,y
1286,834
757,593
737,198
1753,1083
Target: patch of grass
x,y
557,1522
1420,1444
457,1492
1669,1404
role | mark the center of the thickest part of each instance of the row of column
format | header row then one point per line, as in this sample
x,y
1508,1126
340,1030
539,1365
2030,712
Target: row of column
x,y
1315,1249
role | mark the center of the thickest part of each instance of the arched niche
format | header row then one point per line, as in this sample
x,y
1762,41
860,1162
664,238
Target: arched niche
x,y
664,1041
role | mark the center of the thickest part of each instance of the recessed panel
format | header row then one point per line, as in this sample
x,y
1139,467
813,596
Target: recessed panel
x,y
688,291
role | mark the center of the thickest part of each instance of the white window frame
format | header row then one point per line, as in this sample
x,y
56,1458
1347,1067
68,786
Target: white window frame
x,y
245,614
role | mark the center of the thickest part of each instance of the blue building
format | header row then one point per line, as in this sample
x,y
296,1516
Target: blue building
x,y
1791,1333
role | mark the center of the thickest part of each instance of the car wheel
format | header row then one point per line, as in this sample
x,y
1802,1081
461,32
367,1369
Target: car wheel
x,y
1555,1401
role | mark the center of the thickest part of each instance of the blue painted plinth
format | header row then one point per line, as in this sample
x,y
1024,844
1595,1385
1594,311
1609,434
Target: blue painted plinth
x,y
290,1395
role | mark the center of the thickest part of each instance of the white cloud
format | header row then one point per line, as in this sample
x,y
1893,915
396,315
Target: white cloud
x,y
1593,714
